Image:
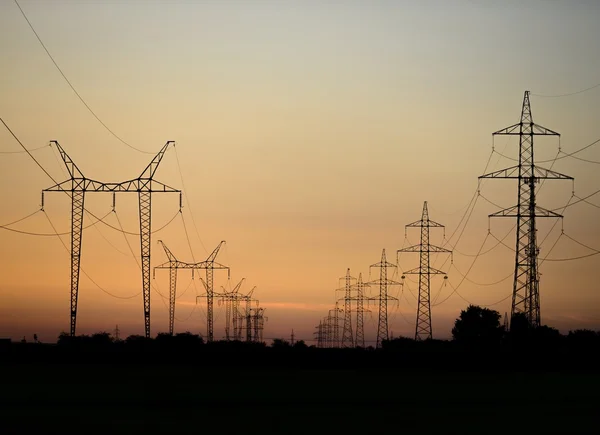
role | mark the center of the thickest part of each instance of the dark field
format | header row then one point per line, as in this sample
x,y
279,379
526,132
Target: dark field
x,y
111,397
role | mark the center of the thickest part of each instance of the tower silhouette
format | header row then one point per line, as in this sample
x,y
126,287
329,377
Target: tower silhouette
x,y
424,248
383,298
526,293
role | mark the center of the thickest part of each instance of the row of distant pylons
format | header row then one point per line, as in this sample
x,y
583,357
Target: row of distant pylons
x,y
250,319
525,294
355,301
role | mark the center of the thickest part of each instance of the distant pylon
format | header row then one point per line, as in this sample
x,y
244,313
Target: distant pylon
x,y
347,340
424,248
319,334
506,324
526,296
334,320
384,283
292,338
360,310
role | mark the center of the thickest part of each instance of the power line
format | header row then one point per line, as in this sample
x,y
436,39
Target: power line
x,y
569,94
72,87
84,272
21,152
187,201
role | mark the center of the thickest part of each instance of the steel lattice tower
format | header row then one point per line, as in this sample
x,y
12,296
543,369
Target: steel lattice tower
x,y
231,301
424,248
526,296
360,310
173,264
144,185
384,283
347,339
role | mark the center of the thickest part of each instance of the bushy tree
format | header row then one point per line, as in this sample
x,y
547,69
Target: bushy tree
x,y
478,326
280,343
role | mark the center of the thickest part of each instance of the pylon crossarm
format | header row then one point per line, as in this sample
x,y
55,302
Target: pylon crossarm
x,y
419,248
168,252
543,173
540,130
89,185
428,270
514,129
428,223
525,212
211,258
512,172
149,171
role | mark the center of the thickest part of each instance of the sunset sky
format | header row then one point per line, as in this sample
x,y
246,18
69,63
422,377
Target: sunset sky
x,y
308,135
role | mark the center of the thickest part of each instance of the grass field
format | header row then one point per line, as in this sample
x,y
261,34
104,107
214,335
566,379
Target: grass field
x,y
126,398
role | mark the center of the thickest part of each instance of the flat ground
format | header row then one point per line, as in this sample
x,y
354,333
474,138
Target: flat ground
x,y
177,399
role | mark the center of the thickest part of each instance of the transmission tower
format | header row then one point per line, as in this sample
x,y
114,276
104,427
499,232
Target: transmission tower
x,y
506,324
347,339
230,299
292,337
335,325
424,248
384,283
526,296
144,185
245,317
173,264
319,334
360,310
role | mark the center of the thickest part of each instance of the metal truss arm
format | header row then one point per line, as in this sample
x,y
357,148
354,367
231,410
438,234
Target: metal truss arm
x,y
525,212
149,171
512,172
72,168
419,248
428,271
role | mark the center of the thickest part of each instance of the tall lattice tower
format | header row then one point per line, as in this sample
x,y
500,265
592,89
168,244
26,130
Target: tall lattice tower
x,y
526,293
347,339
423,325
360,311
383,298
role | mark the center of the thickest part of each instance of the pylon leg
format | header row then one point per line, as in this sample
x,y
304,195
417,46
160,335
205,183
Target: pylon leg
x,y
227,318
77,200
209,303
145,221
172,292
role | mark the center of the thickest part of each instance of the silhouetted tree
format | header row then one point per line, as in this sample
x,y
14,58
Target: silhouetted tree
x,y
546,336
478,326
300,344
583,339
188,339
280,343
101,339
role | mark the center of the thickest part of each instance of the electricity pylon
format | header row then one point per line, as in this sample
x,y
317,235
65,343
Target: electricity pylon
x,y
77,185
526,296
383,298
209,265
424,248
319,334
173,265
335,325
241,318
347,339
360,310
229,299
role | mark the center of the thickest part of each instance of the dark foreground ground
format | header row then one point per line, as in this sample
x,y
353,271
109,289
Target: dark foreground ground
x,y
239,393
